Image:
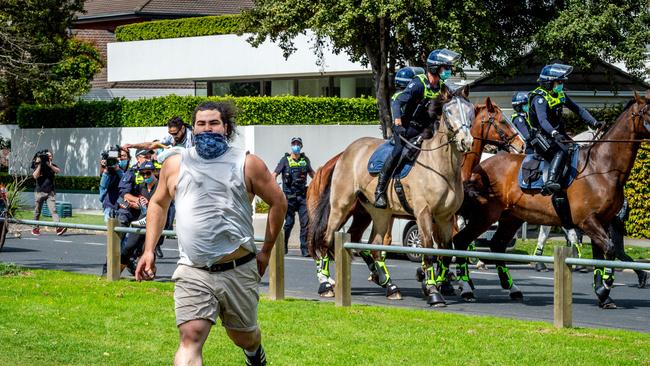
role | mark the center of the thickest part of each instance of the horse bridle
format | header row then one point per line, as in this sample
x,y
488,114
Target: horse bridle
x,y
504,143
643,112
464,121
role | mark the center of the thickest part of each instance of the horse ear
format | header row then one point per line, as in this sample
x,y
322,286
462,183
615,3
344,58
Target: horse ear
x,y
464,91
489,105
637,97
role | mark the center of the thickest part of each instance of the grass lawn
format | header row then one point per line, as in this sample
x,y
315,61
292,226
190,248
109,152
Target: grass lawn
x,y
75,219
54,318
528,247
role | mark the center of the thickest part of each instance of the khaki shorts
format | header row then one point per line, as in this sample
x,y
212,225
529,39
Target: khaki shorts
x,y
232,294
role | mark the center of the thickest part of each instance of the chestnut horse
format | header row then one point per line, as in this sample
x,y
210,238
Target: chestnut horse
x,y
596,195
488,128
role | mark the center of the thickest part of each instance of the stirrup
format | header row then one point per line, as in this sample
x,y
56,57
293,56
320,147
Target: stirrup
x,y
380,200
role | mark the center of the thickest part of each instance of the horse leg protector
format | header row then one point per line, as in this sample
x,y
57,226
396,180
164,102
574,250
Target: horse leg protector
x,y
383,277
392,289
323,270
506,283
603,281
466,286
367,257
446,289
539,266
577,253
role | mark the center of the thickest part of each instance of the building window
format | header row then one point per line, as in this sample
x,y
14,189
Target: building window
x,y
236,88
200,88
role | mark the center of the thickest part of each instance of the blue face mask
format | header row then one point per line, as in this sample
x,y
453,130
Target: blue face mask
x,y
558,88
148,180
210,145
445,74
123,164
295,149
525,108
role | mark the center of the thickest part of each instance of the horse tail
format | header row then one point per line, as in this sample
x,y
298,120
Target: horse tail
x,y
321,212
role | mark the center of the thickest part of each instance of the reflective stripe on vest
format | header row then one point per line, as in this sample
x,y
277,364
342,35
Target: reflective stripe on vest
x,y
526,118
551,100
428,92
296,164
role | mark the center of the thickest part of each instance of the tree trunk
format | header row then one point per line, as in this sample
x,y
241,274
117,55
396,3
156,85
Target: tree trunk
x,y
379,64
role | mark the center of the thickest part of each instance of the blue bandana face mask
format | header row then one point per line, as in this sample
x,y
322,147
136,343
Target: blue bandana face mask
x,y
210,145
525,108
446,74
123,164
558,88
295,149
148,180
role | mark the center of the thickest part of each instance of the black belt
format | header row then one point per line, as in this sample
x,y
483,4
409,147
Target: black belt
x,y
220,267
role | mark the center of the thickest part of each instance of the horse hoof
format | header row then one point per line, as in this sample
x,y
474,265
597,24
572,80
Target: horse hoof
x,y
419,274
425,292
517,296
481,266
446,289
540,267
395,296
329,293
607,304
370,278
436,299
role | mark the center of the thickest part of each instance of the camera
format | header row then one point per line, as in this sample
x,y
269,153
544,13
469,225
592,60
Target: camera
x,y
43,156
111,156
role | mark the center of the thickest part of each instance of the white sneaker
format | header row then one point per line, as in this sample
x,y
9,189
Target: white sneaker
x,y
140,223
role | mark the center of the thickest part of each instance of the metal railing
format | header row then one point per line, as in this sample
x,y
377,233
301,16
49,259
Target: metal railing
x,y
561,259
275,268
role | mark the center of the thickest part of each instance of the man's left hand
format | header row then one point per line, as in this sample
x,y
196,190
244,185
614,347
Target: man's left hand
x,y
599,125
262,262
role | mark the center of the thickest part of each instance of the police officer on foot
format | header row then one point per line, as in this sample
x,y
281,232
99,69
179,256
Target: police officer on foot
x,y
294,168
545,112
409,110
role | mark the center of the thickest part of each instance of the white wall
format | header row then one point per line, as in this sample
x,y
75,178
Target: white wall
x,y
77,150
5,130
219,57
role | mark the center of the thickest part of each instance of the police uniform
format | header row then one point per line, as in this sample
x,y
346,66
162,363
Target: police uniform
x,y
520,120
294,185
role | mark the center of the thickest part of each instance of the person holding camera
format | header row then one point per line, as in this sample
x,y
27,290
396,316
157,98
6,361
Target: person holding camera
x,y
44,171
114,163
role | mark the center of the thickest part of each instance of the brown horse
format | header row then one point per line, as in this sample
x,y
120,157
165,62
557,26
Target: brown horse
x,y
488,128
432,189
595,196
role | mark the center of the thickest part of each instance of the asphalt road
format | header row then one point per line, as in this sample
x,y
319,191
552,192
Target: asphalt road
x,y
86,253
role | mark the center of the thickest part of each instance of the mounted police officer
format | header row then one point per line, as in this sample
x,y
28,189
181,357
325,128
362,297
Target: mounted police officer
x,y
546,103
520,118
409,110
294,168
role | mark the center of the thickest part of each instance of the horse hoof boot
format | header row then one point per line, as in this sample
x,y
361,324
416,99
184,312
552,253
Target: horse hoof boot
x,y
326,289
607,304
541,267
446,289
516,295
603,294
419,274
435,299
392,292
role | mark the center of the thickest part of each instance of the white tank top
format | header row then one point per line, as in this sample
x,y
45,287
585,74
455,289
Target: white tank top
x,y
214,216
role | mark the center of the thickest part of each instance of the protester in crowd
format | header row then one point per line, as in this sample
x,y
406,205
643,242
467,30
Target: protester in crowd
x,y
178,134
44,190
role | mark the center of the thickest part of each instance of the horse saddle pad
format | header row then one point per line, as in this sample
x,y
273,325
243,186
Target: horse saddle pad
x,y
534,171
381,154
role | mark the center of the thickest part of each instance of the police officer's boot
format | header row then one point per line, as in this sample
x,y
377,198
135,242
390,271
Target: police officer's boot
x,y
552,184
381,200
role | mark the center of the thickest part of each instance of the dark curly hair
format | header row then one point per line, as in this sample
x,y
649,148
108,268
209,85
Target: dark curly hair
x,y
175,121
228,113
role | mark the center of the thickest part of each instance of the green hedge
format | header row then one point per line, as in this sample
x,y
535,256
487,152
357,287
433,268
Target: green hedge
x,y
637,191
285,110
62,183
178,28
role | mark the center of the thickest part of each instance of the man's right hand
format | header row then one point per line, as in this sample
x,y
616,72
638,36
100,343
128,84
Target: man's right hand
x,y
397,122
146,269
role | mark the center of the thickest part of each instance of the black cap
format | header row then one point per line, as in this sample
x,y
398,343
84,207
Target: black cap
x,y
296,139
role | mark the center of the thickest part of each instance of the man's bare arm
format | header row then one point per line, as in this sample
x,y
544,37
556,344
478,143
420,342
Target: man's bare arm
x,y
260,182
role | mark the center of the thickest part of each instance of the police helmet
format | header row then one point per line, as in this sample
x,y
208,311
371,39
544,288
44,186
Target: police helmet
x,y
441,57
519,99
147,165
554,72
404,76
